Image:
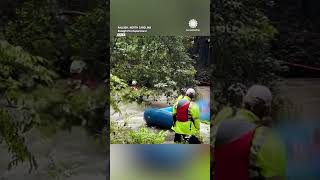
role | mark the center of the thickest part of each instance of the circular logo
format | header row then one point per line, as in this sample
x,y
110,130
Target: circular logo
x,y
193,23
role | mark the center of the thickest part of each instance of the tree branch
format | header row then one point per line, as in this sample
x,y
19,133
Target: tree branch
x,y
13,106
68,12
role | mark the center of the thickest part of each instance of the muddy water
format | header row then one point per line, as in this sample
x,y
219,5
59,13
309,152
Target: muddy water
x,y
304,93
132,115
65,155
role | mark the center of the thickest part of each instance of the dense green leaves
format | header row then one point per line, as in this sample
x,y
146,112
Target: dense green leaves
x,y
10,135
20,73
120,92
60,108
88,38
161,63
19,67
46,29
35,28
124,135
241,37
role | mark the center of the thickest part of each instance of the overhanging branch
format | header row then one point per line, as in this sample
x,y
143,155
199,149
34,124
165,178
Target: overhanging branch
x,y
67,12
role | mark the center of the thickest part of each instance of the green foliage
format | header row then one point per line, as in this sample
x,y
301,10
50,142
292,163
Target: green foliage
x,y
125,135
88,37
18,75
11,135
121,92
58,108
35,28
241,44
160,63
19,67
26,101
43,29
146,136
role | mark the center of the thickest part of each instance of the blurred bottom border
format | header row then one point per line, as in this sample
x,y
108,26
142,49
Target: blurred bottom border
x,y
163,161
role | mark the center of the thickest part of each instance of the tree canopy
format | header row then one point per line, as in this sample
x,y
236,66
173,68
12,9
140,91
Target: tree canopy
x,y
241,42
160,65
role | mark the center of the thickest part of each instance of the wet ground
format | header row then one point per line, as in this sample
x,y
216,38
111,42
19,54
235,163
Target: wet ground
x,y
132,115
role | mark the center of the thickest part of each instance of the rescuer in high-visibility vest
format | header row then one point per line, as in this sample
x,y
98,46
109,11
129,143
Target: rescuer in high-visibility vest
x,y
235,94
245,147
186,115
182,94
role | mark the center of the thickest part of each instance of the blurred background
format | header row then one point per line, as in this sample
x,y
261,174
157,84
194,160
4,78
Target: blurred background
x,y
142,162
53,58
274,43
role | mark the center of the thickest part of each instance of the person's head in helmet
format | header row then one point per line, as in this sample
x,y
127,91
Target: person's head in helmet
x,y
258,100
183,91
191,93
235,94
134,83
77,66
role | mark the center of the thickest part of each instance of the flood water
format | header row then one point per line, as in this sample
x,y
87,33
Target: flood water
x,y
65,155
304,93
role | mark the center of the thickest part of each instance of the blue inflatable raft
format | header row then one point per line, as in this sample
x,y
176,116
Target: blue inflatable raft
x,y
163,117
159,117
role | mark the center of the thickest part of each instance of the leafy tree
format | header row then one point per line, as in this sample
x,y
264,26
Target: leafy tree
x,y
35,28
297,41
241,37
51,30
120,92
18,74
88,37
157,63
